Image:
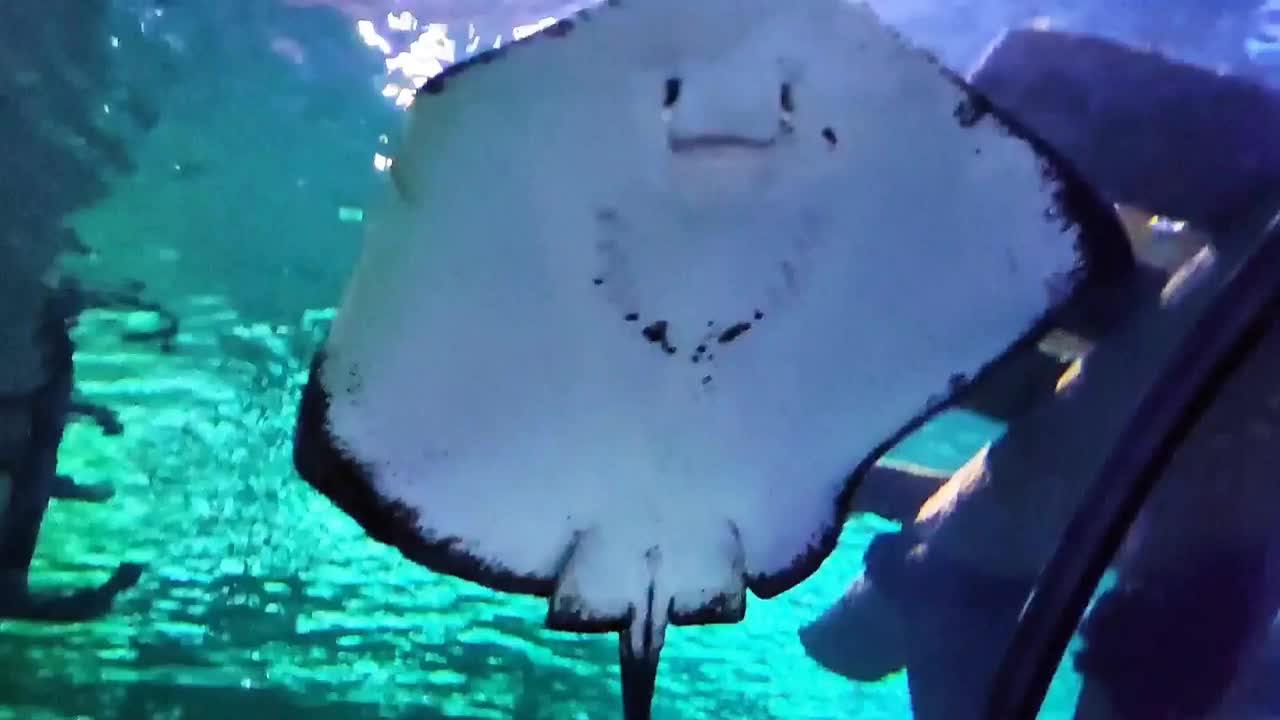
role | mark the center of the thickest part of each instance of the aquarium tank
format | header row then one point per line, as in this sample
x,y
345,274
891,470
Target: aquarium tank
x,y
353,361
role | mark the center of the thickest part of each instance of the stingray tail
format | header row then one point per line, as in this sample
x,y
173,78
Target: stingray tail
x,y
586,599
639,668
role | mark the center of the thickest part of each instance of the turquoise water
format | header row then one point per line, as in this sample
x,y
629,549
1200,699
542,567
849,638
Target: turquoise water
x,y
260,599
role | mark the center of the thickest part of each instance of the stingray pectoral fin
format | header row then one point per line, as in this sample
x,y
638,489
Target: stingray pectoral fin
x,y
126,576
641,597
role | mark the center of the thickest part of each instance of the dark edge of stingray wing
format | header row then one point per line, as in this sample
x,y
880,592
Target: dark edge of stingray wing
x,y
558,29
348,484
1106,256
723,609
1106,266
1099,284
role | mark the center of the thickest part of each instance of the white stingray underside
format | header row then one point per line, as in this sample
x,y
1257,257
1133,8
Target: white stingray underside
x,y
493,386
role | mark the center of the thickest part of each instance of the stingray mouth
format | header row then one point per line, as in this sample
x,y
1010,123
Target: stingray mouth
x,y
716,142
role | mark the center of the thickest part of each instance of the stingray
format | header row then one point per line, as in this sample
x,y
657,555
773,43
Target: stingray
x,y
651,289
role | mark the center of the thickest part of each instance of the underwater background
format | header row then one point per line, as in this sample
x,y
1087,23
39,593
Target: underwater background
x,y
239,211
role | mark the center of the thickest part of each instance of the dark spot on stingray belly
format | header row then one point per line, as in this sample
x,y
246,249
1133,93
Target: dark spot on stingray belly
x,y
607,216
733,332
656,332
661,333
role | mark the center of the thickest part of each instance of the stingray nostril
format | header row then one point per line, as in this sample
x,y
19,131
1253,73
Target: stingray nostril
x,y
788,102
829,135
672,92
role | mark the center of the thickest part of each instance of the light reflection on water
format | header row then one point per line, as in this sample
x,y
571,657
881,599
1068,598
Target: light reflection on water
x,y
416,50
